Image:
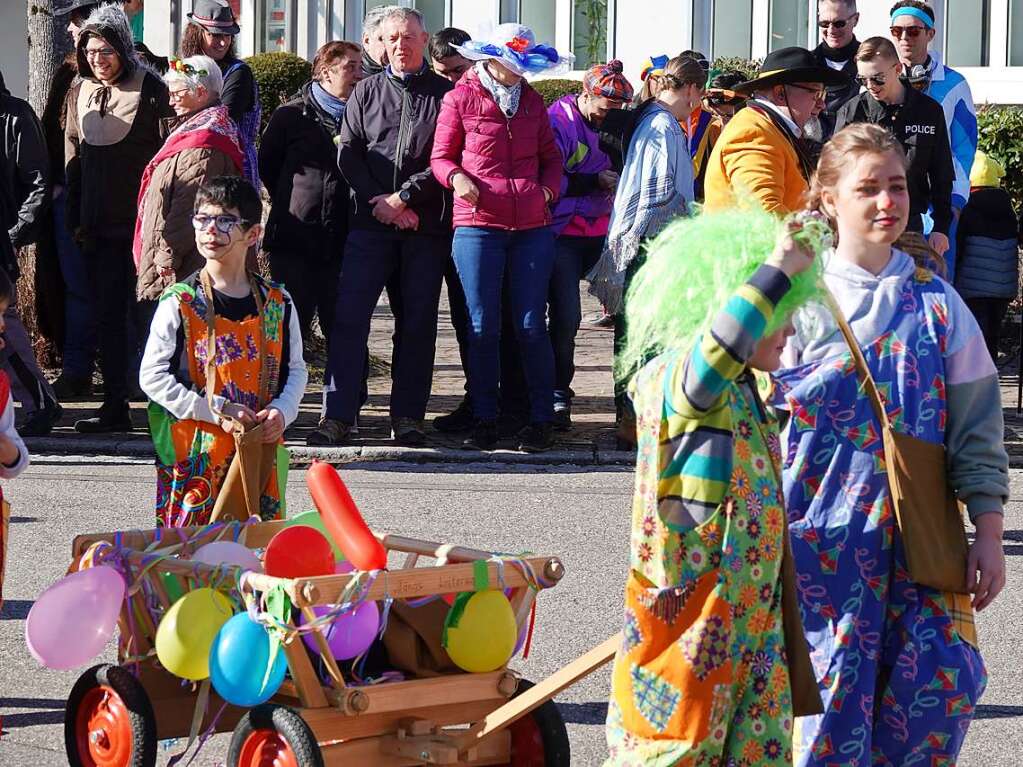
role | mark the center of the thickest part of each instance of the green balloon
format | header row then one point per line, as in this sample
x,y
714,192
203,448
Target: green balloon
x,y
314,520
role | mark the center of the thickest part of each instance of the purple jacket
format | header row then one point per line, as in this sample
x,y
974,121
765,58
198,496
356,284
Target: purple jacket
x,y
583,158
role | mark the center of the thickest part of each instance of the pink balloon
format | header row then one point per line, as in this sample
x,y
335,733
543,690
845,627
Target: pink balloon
x,y
351,634
228,553
72,621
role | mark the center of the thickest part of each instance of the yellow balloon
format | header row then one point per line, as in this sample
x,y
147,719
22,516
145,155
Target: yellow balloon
x,y
485,636
187,631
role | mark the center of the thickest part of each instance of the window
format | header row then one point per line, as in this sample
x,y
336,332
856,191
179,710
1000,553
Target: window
x,y
1016,33
434,13
968,46
789,21
589,32
538,15
732,32
277,23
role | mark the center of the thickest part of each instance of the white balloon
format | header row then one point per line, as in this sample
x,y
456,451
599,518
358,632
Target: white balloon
x,y
230,553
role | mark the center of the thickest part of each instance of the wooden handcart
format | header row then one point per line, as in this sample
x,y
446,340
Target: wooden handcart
x,y
116,714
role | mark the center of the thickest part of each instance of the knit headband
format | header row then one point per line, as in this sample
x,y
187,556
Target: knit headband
x,y
915,13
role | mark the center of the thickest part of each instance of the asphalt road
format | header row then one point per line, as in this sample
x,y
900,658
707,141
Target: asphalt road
x,y
580,515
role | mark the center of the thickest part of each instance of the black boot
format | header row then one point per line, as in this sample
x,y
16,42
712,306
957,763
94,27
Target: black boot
x,y
458,420
483,437
41,422
111,417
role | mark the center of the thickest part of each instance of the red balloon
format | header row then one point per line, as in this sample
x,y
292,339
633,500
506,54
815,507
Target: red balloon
x,y
298,552
342,518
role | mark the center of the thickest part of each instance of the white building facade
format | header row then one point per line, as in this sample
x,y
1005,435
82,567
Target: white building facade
x,y
981,38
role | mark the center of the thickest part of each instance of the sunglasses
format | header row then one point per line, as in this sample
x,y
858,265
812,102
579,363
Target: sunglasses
x,y
818,93
223,223
877,80
911,32
837,23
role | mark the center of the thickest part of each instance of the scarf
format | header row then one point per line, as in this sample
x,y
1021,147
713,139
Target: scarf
x,y
329,103
507,97
210,128
845,53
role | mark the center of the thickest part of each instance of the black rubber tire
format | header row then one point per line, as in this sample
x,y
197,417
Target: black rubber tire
x,y
136,701
557,750
283,720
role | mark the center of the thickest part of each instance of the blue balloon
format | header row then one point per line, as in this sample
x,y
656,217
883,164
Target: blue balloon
x,y
238,661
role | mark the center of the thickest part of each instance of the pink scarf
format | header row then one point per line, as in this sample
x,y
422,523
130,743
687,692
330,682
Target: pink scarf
x,y
211,128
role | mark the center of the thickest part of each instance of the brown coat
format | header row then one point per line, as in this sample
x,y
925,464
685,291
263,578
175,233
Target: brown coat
x,y
168,240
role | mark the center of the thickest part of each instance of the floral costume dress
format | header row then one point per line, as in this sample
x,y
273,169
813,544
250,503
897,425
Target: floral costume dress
x,y
193,456
897,662
702,676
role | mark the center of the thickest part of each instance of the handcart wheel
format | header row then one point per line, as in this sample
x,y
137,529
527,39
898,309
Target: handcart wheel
x,y
109,721
270,735
539,739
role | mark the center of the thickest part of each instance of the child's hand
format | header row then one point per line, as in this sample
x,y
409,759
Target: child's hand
x,y
987,559
273,424
789,255
8,451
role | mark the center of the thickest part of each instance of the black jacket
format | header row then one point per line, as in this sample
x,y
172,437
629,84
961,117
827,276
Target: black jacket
x,y
298,165
837,95
386,141
24,174
987,250
919,125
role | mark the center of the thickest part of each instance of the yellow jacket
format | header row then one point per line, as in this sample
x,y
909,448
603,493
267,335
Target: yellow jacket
x,y
754,157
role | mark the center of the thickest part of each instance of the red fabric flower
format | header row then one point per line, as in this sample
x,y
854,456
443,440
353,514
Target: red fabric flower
x,y
518,44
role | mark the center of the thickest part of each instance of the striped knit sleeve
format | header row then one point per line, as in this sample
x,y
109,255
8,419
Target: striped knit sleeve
x,y
721,354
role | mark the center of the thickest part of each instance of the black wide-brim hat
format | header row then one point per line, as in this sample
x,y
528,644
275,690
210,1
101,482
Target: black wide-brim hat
x,y
215,16
74,5
791,65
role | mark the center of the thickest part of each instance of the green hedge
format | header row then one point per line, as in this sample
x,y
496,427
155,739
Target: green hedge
x,y
1000,129
748,68
554,89
279,76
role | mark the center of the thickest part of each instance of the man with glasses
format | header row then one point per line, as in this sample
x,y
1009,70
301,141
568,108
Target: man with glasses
x,y
913,30
837,21
918,122
113,131
761,156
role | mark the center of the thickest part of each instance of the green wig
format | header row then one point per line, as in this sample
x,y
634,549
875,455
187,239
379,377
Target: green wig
x,y
694,267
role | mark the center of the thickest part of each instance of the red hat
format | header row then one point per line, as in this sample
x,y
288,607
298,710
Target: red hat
x,y
607,81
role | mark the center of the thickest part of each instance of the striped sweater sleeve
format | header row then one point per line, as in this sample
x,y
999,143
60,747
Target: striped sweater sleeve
x,y
721,354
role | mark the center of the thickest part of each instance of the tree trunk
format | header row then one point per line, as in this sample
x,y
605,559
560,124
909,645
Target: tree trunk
x,y
48,44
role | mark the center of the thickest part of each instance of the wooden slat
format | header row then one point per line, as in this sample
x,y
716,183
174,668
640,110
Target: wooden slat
x,y
400,584
307,683
542,692
325,652
437,691
374,751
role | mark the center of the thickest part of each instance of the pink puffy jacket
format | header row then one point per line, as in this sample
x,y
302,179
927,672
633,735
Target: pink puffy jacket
x,y
511,161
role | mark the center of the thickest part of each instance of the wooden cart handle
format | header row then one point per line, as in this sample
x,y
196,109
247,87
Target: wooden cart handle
x,y
540,693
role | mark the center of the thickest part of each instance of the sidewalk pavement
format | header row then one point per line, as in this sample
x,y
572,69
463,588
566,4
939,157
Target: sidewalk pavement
x,y
591,440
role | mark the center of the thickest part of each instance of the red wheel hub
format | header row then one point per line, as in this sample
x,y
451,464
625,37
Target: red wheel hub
x,y
266,748
526,743
103,729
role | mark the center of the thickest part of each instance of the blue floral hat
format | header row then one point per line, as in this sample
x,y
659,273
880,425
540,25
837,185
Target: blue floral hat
x,y
515,46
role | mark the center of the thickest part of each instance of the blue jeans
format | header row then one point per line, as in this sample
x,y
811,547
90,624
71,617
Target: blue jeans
x,y
414,264
485,258
575,256
79,318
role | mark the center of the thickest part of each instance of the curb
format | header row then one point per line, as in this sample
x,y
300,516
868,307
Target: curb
x,y
137,447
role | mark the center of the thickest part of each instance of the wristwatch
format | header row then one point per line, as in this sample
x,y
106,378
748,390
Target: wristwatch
x,y
405,195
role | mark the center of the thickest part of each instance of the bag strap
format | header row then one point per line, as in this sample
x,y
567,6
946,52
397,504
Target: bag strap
x,y
862,371
211,343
